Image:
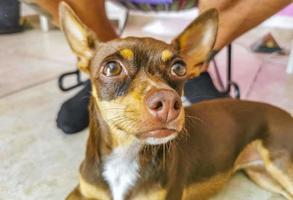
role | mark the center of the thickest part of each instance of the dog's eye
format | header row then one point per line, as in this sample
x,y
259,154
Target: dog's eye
x,y
178,69
112,69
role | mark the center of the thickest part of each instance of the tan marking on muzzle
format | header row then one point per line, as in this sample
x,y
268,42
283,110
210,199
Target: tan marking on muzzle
x,y
119,137
154,83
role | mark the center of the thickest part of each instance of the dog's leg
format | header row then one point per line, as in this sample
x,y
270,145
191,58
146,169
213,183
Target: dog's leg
x,y
251,162
261,177
278,163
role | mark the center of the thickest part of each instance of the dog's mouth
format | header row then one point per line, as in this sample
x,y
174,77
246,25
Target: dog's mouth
x,y
158,136
158,133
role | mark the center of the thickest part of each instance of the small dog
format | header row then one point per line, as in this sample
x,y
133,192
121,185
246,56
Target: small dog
x,y
143,144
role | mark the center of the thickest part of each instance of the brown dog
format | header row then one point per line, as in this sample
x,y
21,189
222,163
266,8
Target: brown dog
x,y
144,145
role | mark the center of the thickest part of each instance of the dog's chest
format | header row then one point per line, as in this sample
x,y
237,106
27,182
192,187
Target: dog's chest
x,y
121,171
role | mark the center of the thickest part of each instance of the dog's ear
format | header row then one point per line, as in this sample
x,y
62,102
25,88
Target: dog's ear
x,y
79,37
197,40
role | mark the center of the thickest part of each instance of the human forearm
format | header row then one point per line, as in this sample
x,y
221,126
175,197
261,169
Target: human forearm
x,y
238,16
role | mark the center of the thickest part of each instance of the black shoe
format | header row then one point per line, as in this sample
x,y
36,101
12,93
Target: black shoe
x,y
9,16
74,115
201,88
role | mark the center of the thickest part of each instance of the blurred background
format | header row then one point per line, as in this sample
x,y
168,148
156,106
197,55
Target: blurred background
x,y
38,161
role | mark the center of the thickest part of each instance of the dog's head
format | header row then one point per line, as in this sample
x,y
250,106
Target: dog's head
x,y
137,82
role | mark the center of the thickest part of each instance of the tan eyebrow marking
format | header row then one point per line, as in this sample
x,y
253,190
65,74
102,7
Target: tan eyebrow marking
x,y
127,54
166,55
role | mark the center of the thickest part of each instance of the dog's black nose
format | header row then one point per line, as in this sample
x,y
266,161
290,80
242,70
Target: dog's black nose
x,y
164,105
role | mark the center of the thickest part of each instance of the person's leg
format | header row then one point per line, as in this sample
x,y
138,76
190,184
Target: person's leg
x,y
238,16
91,12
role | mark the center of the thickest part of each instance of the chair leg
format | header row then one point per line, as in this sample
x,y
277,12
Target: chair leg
x,y
44,23
62,77
290,61
123,26
231,84
229,67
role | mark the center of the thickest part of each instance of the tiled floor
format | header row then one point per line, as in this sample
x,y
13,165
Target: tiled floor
x,y
37,161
